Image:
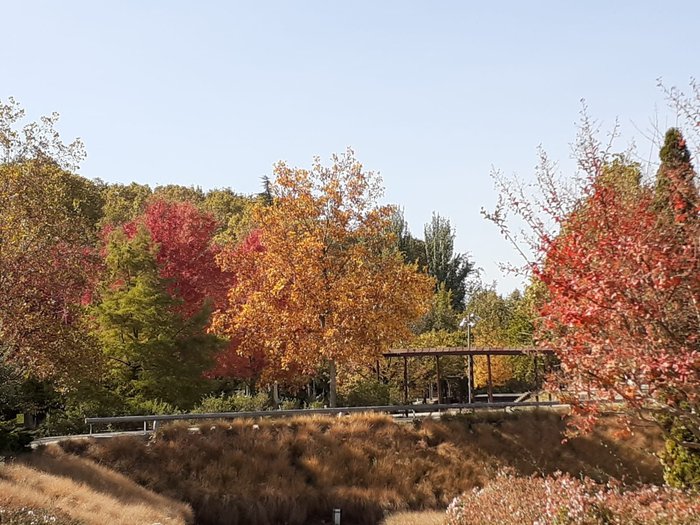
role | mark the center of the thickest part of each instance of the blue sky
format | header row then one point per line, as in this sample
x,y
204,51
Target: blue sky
x,y
430,94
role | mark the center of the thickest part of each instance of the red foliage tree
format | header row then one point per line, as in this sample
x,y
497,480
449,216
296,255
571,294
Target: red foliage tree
x,y
239,359
622,274
186,255
622,310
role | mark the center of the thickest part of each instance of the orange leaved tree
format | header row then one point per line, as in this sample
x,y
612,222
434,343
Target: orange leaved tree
x,y
328,288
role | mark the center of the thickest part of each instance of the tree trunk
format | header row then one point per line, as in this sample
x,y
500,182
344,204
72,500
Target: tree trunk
x,y
332,397
276,394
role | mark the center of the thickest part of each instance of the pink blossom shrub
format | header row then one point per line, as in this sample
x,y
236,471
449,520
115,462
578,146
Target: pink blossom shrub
x,y
564,500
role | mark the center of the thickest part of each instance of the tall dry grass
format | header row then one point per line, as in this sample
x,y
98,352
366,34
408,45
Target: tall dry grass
x,y
416,518
78,489
296,471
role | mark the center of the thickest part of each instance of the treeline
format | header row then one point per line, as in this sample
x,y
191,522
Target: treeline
x,y
122,298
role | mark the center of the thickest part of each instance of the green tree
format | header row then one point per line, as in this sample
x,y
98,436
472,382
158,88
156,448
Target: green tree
x,y
443,263
504,322
124,202
233,211
442,315
178,193
412,249
675,189
154,351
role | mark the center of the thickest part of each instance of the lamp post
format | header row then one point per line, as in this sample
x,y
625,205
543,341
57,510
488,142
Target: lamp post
x,y
469,322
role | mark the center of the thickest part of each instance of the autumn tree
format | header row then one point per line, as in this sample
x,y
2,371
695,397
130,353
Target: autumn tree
x,y
622,278
153,309
622,281
46,230
329,288
245,357
186,252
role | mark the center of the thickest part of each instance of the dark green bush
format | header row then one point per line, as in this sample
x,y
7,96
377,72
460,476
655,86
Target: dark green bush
x,y
13,439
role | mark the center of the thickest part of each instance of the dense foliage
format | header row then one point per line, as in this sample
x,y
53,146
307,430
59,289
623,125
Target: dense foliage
x,y
327,287
566,500
621,272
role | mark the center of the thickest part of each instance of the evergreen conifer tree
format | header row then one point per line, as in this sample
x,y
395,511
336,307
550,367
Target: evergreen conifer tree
x,y
675,189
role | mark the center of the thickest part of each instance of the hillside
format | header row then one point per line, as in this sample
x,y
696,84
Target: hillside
x,y
51,486
296,471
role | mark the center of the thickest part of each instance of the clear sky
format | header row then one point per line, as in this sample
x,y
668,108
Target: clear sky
x,y
430,94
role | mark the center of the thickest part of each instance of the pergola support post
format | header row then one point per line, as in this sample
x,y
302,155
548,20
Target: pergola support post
x,y
470,380
439,379
405,380
490,378
537,380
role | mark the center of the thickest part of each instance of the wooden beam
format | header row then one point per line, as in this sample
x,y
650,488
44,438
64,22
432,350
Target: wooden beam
x,y
460,350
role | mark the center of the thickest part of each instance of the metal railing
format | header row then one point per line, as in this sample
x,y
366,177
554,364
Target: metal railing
x,y
387,409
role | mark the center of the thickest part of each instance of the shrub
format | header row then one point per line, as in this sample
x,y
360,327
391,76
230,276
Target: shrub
x,y
564,500
681,464
143,407
233,403
70,421
364,392
290,404
13,439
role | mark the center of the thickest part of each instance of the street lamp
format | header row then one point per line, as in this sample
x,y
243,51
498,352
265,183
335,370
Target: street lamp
x,y
469,322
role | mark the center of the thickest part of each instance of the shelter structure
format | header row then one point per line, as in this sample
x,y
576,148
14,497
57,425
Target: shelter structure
x,y
470,352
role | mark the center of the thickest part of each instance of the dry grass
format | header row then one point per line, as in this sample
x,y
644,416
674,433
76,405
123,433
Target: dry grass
x,y
82,491
296,471
416,518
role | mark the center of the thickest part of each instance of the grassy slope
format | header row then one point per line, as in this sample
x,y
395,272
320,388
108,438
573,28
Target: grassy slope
x,y
296,471
76,490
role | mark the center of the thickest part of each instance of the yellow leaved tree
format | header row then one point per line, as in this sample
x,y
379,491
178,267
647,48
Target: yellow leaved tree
x,y
326,286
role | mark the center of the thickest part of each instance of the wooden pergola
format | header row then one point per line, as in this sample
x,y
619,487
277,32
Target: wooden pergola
x,y
470,352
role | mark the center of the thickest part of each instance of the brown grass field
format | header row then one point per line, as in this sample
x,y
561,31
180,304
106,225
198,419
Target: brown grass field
x,y
77,490
295,471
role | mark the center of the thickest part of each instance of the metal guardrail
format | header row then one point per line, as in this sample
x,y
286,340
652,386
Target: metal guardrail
x,y
387,409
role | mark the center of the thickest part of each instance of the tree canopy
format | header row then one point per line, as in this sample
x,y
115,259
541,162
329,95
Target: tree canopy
x,y
328,286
